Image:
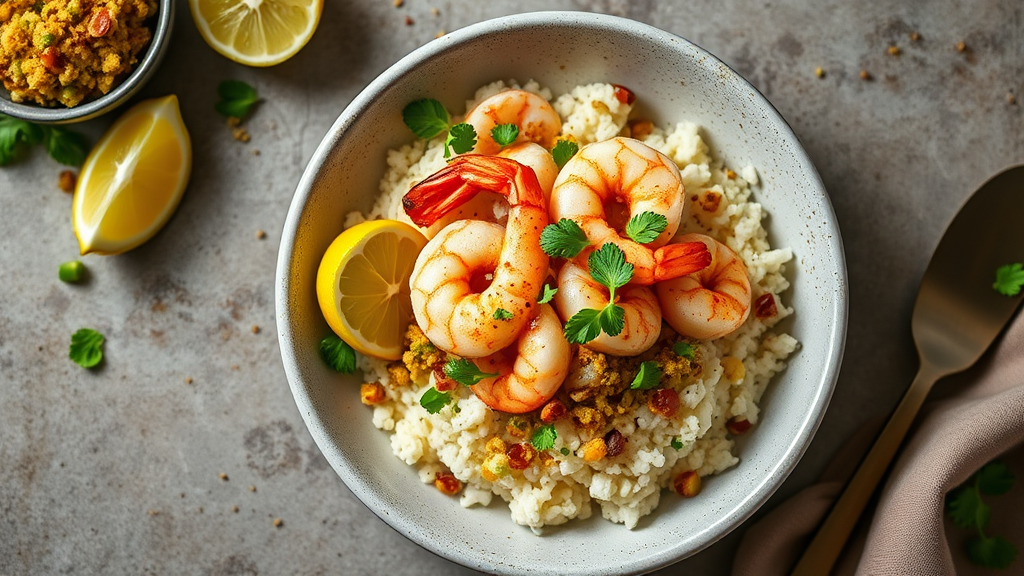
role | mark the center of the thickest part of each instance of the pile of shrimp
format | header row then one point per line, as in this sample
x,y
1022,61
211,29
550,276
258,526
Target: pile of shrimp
x,y
475,286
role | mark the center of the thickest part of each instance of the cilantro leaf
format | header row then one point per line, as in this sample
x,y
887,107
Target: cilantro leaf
x,y
565,451
613,319
465,372
645,227
505,134
676,443
995,478
583,327
16,135
563,151
426,118
338,355
966,509
609,267
548,294
1009,279
67,147
685,350
236,99
433,401
544,437
502,314
86,347
996,552
647,377
563,239
461,138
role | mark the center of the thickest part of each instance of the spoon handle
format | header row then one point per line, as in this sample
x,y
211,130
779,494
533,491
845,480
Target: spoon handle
x,y
823,551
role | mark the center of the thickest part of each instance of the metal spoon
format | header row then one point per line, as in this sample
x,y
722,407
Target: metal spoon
x,y
956,317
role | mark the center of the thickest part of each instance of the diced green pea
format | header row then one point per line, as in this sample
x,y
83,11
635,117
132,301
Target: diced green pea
x,y
71,271
48,40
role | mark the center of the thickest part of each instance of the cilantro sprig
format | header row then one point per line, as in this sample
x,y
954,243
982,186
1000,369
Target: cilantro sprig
x,y
563,239
505,134
236,99
645,227
685,350
86,347
1009,279
428,118
608,266
63,145
563,151
647,376
465,372
338,355
433,401
676,443
544,437
968,511
547,295
502,314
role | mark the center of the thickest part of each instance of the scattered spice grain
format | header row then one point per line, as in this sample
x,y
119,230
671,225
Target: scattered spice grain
x,y
260,234
1011,99
865,75
915,37
188,380
278,522
440,33
152,512
435,11
200,509
255,329
894,50
223,476
241,134
234,509
398,3
255,151
67,181
819,72
252,488
961,47
409,21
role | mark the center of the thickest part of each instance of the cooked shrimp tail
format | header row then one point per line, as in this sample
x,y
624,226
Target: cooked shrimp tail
x,y
675,260
465,177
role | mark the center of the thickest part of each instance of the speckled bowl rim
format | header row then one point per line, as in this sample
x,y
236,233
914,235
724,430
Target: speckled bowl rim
x,y
796,447
144,70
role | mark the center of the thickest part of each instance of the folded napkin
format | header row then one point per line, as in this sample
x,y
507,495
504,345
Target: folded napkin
x,y
969,420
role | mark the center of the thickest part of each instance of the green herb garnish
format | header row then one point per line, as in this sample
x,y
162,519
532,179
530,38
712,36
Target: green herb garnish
x,y
502,314
646,226
465,372
544,437
563,239
505,134
563,151
685,350
67,147
236,99
86,347
548,294
428,118
63,145
433,401
1009,279
609,267
71,271
967,510
565,451
338,355
676,443
461,138
647,377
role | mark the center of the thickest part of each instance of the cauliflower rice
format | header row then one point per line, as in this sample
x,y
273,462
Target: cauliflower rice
x,y
734,370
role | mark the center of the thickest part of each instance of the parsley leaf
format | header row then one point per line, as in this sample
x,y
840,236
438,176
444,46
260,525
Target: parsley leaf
x,y
609,267
685,350
583,327
995,552
645,227
548,294
433,401
995,478
676,443
67,147
71,271
544,437
236,99
502,314
1009,279
86,347
505,134
461,138
15,135
465,372
563,239
613,319
647,377
967,510
338,355
563,151
426,118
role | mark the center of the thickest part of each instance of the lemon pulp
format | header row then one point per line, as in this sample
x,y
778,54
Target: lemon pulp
x,y
256,32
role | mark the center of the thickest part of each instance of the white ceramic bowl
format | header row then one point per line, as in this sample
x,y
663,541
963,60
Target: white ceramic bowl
x,y
674,81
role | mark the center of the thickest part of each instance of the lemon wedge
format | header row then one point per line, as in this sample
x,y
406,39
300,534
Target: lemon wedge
x,y
133,178
363,285
256,32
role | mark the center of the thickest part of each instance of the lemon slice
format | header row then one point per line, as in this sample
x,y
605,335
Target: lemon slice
x,y
256,32
363,285
133,179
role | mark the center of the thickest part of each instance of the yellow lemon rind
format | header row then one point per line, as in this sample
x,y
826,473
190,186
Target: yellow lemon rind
x,y
267,60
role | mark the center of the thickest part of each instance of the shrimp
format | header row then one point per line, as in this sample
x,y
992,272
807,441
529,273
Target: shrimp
x,y
493,207
642,319
473,269
530,371
594,184
537,120
711,303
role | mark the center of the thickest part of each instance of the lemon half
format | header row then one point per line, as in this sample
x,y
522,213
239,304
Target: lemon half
x,y
256,32
363,285
133,178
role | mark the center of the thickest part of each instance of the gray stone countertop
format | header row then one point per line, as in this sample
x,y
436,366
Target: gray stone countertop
x,y
117,470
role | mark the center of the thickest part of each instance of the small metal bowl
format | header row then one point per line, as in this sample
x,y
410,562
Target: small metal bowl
x,y
119,95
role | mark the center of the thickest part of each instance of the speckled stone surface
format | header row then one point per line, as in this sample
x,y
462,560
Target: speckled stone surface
x,y
117,470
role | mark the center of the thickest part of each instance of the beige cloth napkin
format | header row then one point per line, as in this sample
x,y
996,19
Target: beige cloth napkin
x,y
969,420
